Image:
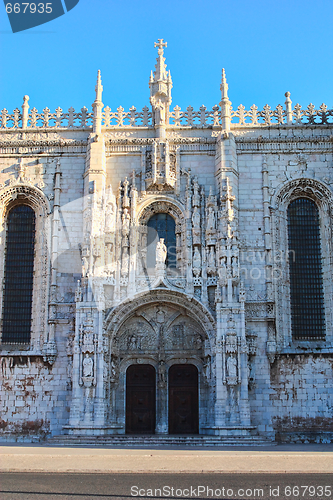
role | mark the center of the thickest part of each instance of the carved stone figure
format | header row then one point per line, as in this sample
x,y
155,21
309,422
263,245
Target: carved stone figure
x,y
159,113
134,342
161,252
196,218
196,196
161,373
211,219
211,258
232,366
196,262
88,366
126,222
109,219
85,266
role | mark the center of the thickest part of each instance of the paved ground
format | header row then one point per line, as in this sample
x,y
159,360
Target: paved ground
x,y
277,459
74,486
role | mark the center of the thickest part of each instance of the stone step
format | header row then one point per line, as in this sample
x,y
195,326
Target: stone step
x,y
158,441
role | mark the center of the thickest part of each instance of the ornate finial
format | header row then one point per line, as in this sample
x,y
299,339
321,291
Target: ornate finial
x,y
224,86
160,44
225,103
98,105
99,87
160,85
25,111
289,111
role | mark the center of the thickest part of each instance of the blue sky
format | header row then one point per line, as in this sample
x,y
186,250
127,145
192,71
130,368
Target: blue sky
x,y
267,48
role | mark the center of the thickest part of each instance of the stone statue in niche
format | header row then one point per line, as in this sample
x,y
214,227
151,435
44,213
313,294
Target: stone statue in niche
x,y
85,266
109,219
232,366
126,222
211,219
211,258
207,369
134,342
161,252
161,374
88,366
196,262
159,113
196,218
196,197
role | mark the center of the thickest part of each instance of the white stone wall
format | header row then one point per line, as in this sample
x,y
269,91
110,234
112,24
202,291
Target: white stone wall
x,y
237,173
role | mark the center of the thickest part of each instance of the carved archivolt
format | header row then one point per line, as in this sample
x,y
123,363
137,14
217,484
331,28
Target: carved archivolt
x,y
309,188
162,206
192,309
323,197
33,197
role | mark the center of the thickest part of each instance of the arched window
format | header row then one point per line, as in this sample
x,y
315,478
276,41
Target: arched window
x,y
305,267
19,267
165,227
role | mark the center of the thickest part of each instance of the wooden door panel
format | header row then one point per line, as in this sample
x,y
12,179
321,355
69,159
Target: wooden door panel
x,y
140,399
183,400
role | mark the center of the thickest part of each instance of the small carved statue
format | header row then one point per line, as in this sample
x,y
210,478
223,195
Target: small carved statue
x,y
88,366
133,342
196,259
85,266
159,113
211,219
211,258
196,218
126,221
232,366
162,373
109,219
161,251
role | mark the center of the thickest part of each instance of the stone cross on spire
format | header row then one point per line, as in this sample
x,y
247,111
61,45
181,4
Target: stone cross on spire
x,y
160,44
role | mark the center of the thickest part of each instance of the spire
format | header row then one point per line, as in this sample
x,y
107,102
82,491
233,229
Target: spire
x,y
98,105
224,86
160,84
99,87
160,72
225,103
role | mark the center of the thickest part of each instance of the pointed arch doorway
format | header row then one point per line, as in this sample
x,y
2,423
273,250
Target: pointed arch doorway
x,y
183,399
140,399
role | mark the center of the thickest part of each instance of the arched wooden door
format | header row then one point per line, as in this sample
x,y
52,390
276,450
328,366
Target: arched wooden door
x,y
183,400
140,399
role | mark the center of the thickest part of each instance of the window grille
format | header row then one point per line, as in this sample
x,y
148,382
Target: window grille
x,y
19,267
165,227
305,266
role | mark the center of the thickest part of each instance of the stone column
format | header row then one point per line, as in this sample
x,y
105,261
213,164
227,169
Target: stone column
x,y
100,399
221,395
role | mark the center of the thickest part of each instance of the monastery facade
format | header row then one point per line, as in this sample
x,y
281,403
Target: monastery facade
x,y
167,271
